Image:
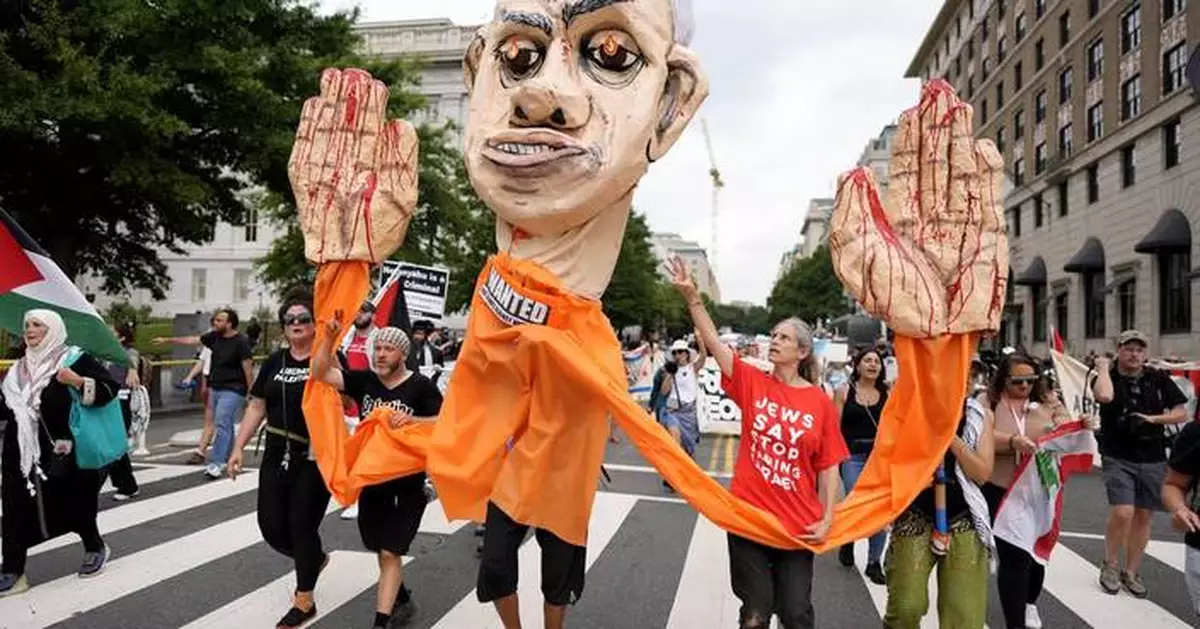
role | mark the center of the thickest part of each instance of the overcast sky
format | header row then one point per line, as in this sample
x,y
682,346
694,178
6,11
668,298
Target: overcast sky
x,y
797,89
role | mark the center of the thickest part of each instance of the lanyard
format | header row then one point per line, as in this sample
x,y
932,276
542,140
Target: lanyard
x,y
1019,419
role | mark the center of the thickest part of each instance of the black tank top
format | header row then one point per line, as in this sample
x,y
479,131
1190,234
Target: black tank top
x,y
956,502
859,423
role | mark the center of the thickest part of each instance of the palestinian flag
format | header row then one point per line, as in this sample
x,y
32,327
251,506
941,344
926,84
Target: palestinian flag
x,y
30,280
391,308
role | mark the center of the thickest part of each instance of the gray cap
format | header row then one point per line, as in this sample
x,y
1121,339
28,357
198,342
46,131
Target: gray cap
x,y
1132,336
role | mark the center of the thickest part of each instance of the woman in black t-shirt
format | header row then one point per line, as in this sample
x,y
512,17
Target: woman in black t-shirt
x,y
292,497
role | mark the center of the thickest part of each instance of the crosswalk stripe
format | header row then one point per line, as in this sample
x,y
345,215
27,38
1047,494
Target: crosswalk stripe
x,y
140,511
1072,580
348,574
434,520
704,597
151,475
607,514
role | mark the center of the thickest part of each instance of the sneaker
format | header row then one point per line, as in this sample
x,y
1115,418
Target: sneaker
x,y
93,563
846,555
11,584
479,530
213,471
1109,579
122,496
874,572
296,617
1133,583
402,615
351,512
1033,620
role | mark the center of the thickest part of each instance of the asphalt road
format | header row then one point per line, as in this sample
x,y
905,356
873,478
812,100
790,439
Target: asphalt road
x,y
187,553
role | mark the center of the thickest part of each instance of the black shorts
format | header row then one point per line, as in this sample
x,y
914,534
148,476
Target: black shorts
x,y
389,514
771,581
563,564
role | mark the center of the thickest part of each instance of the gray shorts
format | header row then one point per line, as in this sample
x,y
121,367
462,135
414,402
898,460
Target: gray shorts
x,y
1192,572
1136,484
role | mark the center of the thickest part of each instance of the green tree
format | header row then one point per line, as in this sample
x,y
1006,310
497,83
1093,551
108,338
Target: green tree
x,y
632,294
810,290
131,126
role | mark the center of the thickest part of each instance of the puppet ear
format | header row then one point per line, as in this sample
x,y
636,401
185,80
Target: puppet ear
x,y
472,58
683,93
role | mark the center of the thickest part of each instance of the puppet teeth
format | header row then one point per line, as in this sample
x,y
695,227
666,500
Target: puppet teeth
x,y
522,149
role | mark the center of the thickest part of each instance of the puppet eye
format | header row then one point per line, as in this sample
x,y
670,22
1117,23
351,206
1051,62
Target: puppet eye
x,y
520,57
613,55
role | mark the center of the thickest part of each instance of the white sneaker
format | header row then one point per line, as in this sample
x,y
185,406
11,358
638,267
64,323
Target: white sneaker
x,y
213,471
350,512
120,497
1033,620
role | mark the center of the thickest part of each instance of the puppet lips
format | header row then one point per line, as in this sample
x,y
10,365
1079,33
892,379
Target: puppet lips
x,y
524,150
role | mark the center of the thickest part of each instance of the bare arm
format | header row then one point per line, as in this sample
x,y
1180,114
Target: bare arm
x,y
706,330
256,412
190,341
1177,415
1174,490
248,371
701,353
1103,387
195,372
977,463
323,359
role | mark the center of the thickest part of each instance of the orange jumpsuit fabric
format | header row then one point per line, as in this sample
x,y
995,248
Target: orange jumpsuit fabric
x,y
543,366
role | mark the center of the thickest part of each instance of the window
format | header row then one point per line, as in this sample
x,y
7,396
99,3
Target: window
x,y
1131,98
1000,7
1039,158
1064,197
1018,79
1000,140
1021,25
1174,61
1019,171
1093,183
1128,166
1064,29
1039,8
999,95
983,111
199,285
1093,8
1131,29
957,68
1095,116
1095,60
1066,141
1171,144
958,27
1039,212
1039,54
1064,86
970,49
985,66
1038,294
241,285
983,30
1039,107
1171,8
1174,292
1127,303
970,9
1001,48
1093,304
251,225
1014,221
971,87
1062,319
1019,124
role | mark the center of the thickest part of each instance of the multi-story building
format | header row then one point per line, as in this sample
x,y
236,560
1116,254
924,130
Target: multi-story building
x,y
666,245
220,273
814,232
1087,100
877,155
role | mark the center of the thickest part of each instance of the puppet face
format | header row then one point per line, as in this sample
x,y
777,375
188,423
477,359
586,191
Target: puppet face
x,y
570,101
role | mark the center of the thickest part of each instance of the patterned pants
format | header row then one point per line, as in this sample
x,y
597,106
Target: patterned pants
x,y
962,575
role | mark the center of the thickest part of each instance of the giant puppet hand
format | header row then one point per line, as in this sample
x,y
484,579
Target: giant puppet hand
x,y
354,175
933,258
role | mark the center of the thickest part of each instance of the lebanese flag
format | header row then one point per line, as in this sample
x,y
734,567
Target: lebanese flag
x,y
1030,514
30,279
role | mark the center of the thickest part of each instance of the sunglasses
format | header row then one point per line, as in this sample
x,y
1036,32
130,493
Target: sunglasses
x,y
1019,380
298,319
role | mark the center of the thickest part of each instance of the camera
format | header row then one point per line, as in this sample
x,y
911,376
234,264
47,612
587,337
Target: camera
x,y
672,368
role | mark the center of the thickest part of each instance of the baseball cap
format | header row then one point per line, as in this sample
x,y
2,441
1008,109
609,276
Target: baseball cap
x,y
1132,336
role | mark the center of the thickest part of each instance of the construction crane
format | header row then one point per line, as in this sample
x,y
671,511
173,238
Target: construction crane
x,y
716,190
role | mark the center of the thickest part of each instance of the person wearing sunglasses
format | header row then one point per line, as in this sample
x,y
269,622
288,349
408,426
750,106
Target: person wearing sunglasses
x,y
292,497
1015,396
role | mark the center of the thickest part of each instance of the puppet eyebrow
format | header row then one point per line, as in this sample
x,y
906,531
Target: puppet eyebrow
x,y
576,9
535,20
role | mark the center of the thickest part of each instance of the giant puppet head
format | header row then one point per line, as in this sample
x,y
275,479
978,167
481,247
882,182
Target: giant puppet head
x,y
570,102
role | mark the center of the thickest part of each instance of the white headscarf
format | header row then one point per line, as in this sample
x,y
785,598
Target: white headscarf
x,y
24,384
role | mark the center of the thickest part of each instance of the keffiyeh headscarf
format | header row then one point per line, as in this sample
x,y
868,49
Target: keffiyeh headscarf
x,y
27,379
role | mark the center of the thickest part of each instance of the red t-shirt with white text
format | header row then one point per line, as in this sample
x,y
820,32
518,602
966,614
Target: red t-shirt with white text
x,y
356,355
789,434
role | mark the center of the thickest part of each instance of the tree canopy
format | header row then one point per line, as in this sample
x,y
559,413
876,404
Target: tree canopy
x,y
632,297
131,126
810,290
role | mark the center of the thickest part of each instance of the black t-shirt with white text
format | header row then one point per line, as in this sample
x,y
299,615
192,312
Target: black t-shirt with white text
x,y
280,383
1185,459
228,352
417,395
1152,393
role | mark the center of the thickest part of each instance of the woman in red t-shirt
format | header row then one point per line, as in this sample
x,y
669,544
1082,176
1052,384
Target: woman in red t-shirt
x,y
787,463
